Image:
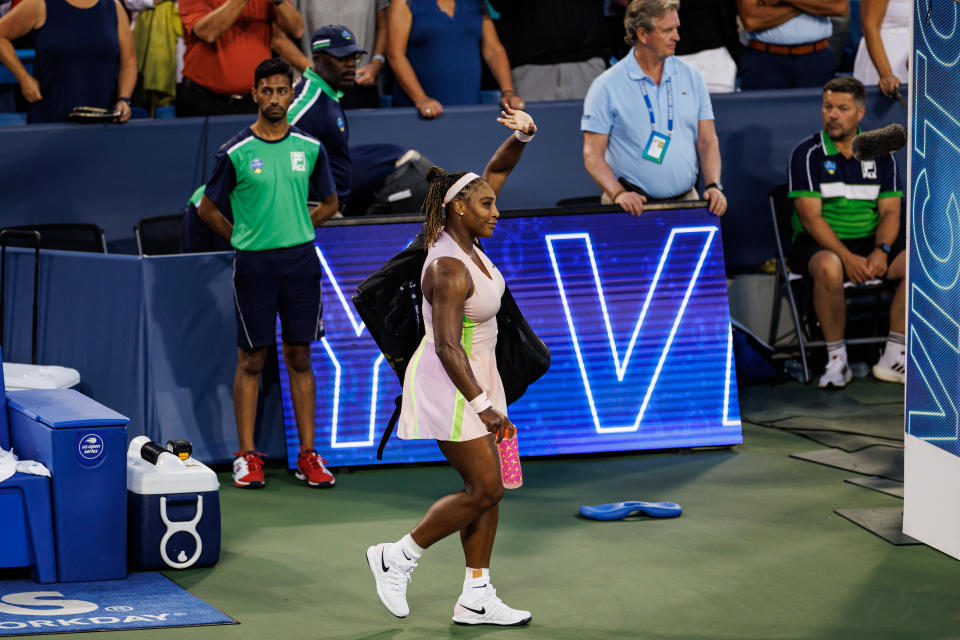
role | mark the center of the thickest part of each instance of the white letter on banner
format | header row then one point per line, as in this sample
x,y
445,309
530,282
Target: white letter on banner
x,y
358,329
620,367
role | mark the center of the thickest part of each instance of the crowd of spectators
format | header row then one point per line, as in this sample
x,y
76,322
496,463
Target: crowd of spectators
x,y
199,54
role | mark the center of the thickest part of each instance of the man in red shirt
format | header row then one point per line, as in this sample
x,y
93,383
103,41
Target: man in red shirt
x,y
225,41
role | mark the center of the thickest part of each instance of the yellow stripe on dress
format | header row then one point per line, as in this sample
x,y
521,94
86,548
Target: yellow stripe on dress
x,y
413,386
467,341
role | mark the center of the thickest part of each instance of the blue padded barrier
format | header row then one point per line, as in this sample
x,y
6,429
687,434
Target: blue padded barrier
x,y
150,167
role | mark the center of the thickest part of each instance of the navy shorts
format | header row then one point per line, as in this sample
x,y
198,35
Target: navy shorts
x,y
805,247
284,281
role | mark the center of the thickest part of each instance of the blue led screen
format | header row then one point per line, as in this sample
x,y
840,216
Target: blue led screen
x,y
634,311
933,380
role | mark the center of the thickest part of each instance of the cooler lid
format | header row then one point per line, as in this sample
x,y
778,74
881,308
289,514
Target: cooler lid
x,y
63,409
169,475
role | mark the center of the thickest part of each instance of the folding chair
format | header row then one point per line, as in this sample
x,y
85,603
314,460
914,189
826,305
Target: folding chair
x,y
66,236
869,300
159,236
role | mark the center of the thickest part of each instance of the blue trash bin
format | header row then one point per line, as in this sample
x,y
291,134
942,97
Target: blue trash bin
x,y
83,444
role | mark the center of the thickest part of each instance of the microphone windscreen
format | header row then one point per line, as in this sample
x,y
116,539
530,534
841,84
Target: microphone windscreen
x,y
870,144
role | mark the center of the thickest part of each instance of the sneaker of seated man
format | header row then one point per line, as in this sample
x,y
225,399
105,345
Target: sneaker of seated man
x,y
846,226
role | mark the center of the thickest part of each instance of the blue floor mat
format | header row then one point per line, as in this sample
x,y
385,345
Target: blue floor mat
x,y
142,601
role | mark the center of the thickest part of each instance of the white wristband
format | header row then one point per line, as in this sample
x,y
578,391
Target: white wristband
x,y
379,57
523,137
481,403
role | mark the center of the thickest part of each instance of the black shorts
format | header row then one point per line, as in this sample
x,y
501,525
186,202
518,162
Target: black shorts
x,y
804,248
284,281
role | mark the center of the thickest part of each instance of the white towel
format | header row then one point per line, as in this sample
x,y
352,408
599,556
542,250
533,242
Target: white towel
x,y
10,464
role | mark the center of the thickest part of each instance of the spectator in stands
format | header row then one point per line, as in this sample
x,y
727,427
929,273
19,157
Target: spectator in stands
x,y
787,42
367,21
225,40
318,110
846,224
709,41
158,40
85,56
263,174
556,47
434,48
883,56
648,118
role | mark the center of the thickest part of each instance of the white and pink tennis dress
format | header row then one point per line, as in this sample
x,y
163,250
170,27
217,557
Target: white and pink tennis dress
x,y
433,407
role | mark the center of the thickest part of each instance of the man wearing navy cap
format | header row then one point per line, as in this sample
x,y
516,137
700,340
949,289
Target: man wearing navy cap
x,y
316,109
316,102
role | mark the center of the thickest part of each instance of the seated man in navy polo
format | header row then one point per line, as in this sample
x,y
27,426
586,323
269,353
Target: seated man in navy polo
x,y
648,119
846,226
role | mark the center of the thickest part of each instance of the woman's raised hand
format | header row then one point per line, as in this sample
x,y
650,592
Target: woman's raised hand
x,y
517,120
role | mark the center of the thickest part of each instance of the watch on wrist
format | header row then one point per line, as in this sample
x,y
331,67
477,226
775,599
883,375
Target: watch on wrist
x,y
714,185
883,246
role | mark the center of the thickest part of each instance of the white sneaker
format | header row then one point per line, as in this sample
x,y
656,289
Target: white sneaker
x,y
391,579
891,369
487,608
836,374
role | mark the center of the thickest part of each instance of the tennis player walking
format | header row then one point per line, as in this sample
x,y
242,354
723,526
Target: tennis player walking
x,y
452,391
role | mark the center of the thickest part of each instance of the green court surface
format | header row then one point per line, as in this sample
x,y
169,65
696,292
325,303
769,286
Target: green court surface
x,y
758,552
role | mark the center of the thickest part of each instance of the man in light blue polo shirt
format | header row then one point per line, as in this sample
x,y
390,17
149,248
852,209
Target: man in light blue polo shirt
x,y
787,42
647,120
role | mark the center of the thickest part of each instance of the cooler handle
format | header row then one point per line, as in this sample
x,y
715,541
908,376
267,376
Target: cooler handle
x,y
185,526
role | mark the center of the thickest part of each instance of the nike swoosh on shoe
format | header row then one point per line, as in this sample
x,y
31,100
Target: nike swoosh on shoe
x,y
482,611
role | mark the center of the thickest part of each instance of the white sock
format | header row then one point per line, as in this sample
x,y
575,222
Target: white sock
x,y
404,551
412,549
895,347
837,350
474,585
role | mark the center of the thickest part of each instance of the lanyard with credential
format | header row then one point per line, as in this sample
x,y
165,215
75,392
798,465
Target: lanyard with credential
x,y
658,143
646,99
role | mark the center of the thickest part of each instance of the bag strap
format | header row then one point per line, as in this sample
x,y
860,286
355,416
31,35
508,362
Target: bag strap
x,y
391,425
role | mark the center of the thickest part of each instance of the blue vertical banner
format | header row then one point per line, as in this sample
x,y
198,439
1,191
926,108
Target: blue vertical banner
x,y
931,509
933,341
634,311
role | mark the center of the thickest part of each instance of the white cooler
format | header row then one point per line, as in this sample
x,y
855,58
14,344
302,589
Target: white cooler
x,y
173,511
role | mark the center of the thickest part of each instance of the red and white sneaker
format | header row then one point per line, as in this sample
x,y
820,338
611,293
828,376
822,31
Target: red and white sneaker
x,y
248,470
310,467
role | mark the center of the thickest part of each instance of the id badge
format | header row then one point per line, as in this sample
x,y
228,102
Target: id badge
x,y
656,147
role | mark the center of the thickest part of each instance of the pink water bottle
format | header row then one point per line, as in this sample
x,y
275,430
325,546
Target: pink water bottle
x,y
510,471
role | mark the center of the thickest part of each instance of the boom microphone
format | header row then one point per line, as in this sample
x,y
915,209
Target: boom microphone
x,y
870,144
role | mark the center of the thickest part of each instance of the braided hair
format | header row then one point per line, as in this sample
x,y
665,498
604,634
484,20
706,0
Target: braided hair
x,y
440,181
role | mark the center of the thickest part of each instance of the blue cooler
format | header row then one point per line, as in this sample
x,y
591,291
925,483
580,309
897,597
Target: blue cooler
x,y
174,510
82,443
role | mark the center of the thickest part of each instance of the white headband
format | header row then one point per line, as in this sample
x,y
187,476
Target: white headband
x,y
458,186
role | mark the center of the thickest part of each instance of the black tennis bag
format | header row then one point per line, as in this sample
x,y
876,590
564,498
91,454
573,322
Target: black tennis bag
x,y
389,303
